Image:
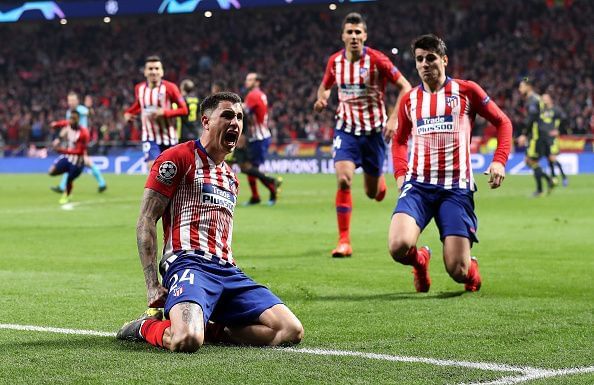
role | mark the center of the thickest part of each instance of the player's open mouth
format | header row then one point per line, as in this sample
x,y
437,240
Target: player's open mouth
x,y
231,137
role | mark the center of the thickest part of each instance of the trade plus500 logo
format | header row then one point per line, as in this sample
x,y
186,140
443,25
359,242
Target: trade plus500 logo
x,y
435,124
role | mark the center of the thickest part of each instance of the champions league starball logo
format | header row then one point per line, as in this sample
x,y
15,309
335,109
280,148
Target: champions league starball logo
x,y
167,171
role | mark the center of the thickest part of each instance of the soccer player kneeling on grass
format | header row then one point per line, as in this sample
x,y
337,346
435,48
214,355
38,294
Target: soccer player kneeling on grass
x,y
437,181
205,296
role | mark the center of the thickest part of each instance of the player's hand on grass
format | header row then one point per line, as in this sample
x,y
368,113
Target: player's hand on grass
x,y
156,296
320,104
496,172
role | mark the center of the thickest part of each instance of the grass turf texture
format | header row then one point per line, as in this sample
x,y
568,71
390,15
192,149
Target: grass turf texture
x,y
80,269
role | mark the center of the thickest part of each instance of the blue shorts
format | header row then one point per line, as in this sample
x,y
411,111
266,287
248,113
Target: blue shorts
x,y
224,292
152,150
63,165
366,151
453,209
258,151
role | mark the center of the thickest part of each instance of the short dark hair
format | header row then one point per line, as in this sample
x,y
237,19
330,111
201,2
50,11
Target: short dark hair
x,y
528,81
429,42
219,83
353,18
259,77
74,112
152,58
211,102
187,85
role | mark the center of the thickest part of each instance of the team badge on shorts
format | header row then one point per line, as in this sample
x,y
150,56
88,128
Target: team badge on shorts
x,y
167,171
177,291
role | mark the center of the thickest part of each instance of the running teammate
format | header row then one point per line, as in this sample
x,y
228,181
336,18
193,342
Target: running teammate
x,y
437,182
153,101
252,154
84,111
72,161
361,74
195,192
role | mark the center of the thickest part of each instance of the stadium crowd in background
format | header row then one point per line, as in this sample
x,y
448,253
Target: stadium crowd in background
x,y
495,43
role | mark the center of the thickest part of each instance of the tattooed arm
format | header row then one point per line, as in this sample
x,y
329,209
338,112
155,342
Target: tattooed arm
x,y
151,209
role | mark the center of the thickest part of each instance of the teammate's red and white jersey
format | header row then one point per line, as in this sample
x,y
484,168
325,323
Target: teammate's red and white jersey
x,y
203,197
256,104
441,126
361,87
76,142
147,100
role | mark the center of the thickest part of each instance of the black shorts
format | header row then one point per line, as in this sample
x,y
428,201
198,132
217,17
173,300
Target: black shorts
x,y
537,148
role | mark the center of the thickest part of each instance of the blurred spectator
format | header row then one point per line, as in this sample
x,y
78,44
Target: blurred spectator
x,y
494,42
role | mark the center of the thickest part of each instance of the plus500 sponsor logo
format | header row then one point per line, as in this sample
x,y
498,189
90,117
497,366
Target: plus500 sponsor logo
x,y
435,124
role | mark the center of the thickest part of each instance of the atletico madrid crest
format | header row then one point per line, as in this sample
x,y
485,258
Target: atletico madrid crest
x,y
452,101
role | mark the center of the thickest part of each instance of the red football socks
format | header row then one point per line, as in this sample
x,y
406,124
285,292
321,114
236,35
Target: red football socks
x,y
383,188
413,258
253,181
152,331
344,207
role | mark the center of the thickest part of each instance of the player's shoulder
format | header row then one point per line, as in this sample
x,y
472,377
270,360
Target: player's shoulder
x,y
466,85
413,90
375,53
169,85
336,55
182,153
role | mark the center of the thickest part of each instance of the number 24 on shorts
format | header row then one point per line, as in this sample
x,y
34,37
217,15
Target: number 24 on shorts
x,y
175,279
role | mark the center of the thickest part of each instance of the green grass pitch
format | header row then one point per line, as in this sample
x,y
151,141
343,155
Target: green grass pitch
x,y
79,269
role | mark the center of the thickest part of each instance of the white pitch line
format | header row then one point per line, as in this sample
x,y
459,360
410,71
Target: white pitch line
x,y
525,373
430,361
56,330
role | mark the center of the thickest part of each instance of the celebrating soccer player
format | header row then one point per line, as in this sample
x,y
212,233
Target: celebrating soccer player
x,y
153,101
72,161
194,192
437,180
361,74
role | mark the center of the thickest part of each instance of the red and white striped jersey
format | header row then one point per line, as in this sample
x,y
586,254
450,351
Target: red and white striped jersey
x,y
361,87
202,201
441,125
256,104
76,142
147,100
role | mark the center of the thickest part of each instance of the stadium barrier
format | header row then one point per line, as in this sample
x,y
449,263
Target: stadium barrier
x,y
132,163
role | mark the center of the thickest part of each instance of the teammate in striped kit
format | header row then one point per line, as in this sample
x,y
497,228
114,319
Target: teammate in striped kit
x,y
153,101
72,161
252,154
84,110
437,180
361,74
194,192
